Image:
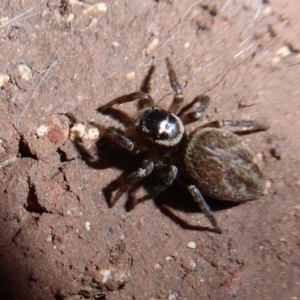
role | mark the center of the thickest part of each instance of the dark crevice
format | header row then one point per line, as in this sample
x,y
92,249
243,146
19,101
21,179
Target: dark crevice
x,y
31,278
24,149
65,184
59,296
33,205
15,236
62,155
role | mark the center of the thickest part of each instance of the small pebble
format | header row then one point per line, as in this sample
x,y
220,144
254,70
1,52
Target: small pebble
x,y
88,226
93,134
130,76
77,131
70,18
268,184
105,274
283,52
192,264
99,7
102,7
276,60
187,45
152,45
4,79
25,72
157,266
267,10
116,44
42,130
192,245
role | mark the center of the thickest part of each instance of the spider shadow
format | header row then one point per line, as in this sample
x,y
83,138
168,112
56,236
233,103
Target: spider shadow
x,y
175,198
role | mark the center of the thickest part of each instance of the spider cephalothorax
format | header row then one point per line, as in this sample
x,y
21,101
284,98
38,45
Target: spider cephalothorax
x,y
210,160
161,129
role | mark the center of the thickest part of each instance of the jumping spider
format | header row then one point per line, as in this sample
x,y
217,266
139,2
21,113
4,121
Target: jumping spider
x,y
209,161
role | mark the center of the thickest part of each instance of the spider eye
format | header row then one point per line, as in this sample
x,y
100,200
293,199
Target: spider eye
x,y
161,127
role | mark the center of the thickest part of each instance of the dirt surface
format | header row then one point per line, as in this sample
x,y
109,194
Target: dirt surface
x,y
59,239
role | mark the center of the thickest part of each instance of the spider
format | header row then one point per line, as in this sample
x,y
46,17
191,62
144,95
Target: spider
x,y
209,161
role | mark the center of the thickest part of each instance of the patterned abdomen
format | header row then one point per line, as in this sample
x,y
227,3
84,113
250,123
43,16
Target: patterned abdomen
x,y
222,165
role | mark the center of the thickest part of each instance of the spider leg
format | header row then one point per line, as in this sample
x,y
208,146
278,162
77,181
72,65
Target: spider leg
x,y
146,100
144,171
198,198
120,116
196,115
118,138
145,87
176,105
246,126
161,171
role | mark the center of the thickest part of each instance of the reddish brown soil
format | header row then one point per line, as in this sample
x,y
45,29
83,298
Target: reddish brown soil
x,y
59,239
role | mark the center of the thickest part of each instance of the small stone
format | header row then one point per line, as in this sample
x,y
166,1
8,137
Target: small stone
x,y
99,7
267,10
130,76
93,134
268,184
192,245
276,60
152,46
116,44
42,130
77,131
70,18
157,266
4,79
88,226
48,239
25,72
284,51
106,274
102,7
187,45
192,264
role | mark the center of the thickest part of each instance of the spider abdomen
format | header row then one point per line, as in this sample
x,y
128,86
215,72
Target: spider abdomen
x,y
222,165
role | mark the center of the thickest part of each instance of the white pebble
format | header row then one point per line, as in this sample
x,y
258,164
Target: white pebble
x,y
284,51
101,7
4,79
105,274
93,134
25,72
70,18
276,60
42,130
130,76
152,45
192,264
267,10
88,226
116,44
192,245
77,131
187,45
